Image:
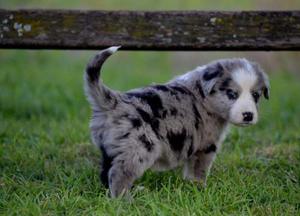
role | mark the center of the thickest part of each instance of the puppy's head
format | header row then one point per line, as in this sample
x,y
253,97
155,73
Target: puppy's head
x,y
232,89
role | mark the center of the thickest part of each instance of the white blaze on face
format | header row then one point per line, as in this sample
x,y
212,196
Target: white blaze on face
x,y
246,79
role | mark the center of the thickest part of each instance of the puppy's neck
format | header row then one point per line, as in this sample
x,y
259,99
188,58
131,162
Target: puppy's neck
x,y
191,80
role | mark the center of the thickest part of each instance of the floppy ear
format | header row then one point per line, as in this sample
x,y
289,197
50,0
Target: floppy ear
x,y
266,89
264,79
210,76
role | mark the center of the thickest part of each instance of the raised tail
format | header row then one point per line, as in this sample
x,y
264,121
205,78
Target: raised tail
x,y
100,96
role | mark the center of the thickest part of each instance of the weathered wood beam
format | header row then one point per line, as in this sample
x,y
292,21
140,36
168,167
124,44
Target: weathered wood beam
x,y
145,30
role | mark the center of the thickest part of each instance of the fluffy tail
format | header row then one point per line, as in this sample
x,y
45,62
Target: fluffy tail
x,y
98,94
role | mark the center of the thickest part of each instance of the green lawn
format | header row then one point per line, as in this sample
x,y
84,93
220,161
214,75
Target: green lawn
x,y
48,165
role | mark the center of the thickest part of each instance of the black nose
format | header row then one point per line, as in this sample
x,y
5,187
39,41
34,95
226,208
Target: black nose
x,y
248,116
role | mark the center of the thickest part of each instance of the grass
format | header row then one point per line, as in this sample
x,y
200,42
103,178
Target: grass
x,y
156,4
49,167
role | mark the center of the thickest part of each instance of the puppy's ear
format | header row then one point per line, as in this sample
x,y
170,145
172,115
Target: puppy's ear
x,y
210,76
266,89
263,78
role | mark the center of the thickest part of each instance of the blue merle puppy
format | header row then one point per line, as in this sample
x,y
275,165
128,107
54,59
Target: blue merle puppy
x,y
182,122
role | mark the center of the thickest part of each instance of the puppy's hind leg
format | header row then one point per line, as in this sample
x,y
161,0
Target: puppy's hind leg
x,y
124,171
105,167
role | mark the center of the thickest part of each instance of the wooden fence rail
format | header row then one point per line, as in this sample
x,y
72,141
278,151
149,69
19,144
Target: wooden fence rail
x,y
146,30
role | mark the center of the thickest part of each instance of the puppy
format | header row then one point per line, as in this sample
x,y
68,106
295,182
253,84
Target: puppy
x,y
182,122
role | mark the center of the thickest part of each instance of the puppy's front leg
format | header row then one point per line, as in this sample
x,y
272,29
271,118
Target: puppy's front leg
x,y
198,166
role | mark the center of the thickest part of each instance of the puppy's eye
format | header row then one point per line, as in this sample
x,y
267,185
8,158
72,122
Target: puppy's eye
x,y
255,95
232,95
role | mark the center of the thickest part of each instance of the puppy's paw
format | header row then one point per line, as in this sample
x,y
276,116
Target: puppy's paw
x,y
200,182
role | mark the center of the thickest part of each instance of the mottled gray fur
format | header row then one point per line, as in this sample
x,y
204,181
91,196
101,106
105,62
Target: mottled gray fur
x,y
182,122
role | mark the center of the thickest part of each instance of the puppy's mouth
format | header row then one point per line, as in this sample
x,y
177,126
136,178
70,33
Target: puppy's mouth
x,y
243,124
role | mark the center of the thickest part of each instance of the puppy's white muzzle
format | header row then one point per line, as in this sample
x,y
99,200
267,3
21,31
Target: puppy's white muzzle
x,y
244,111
